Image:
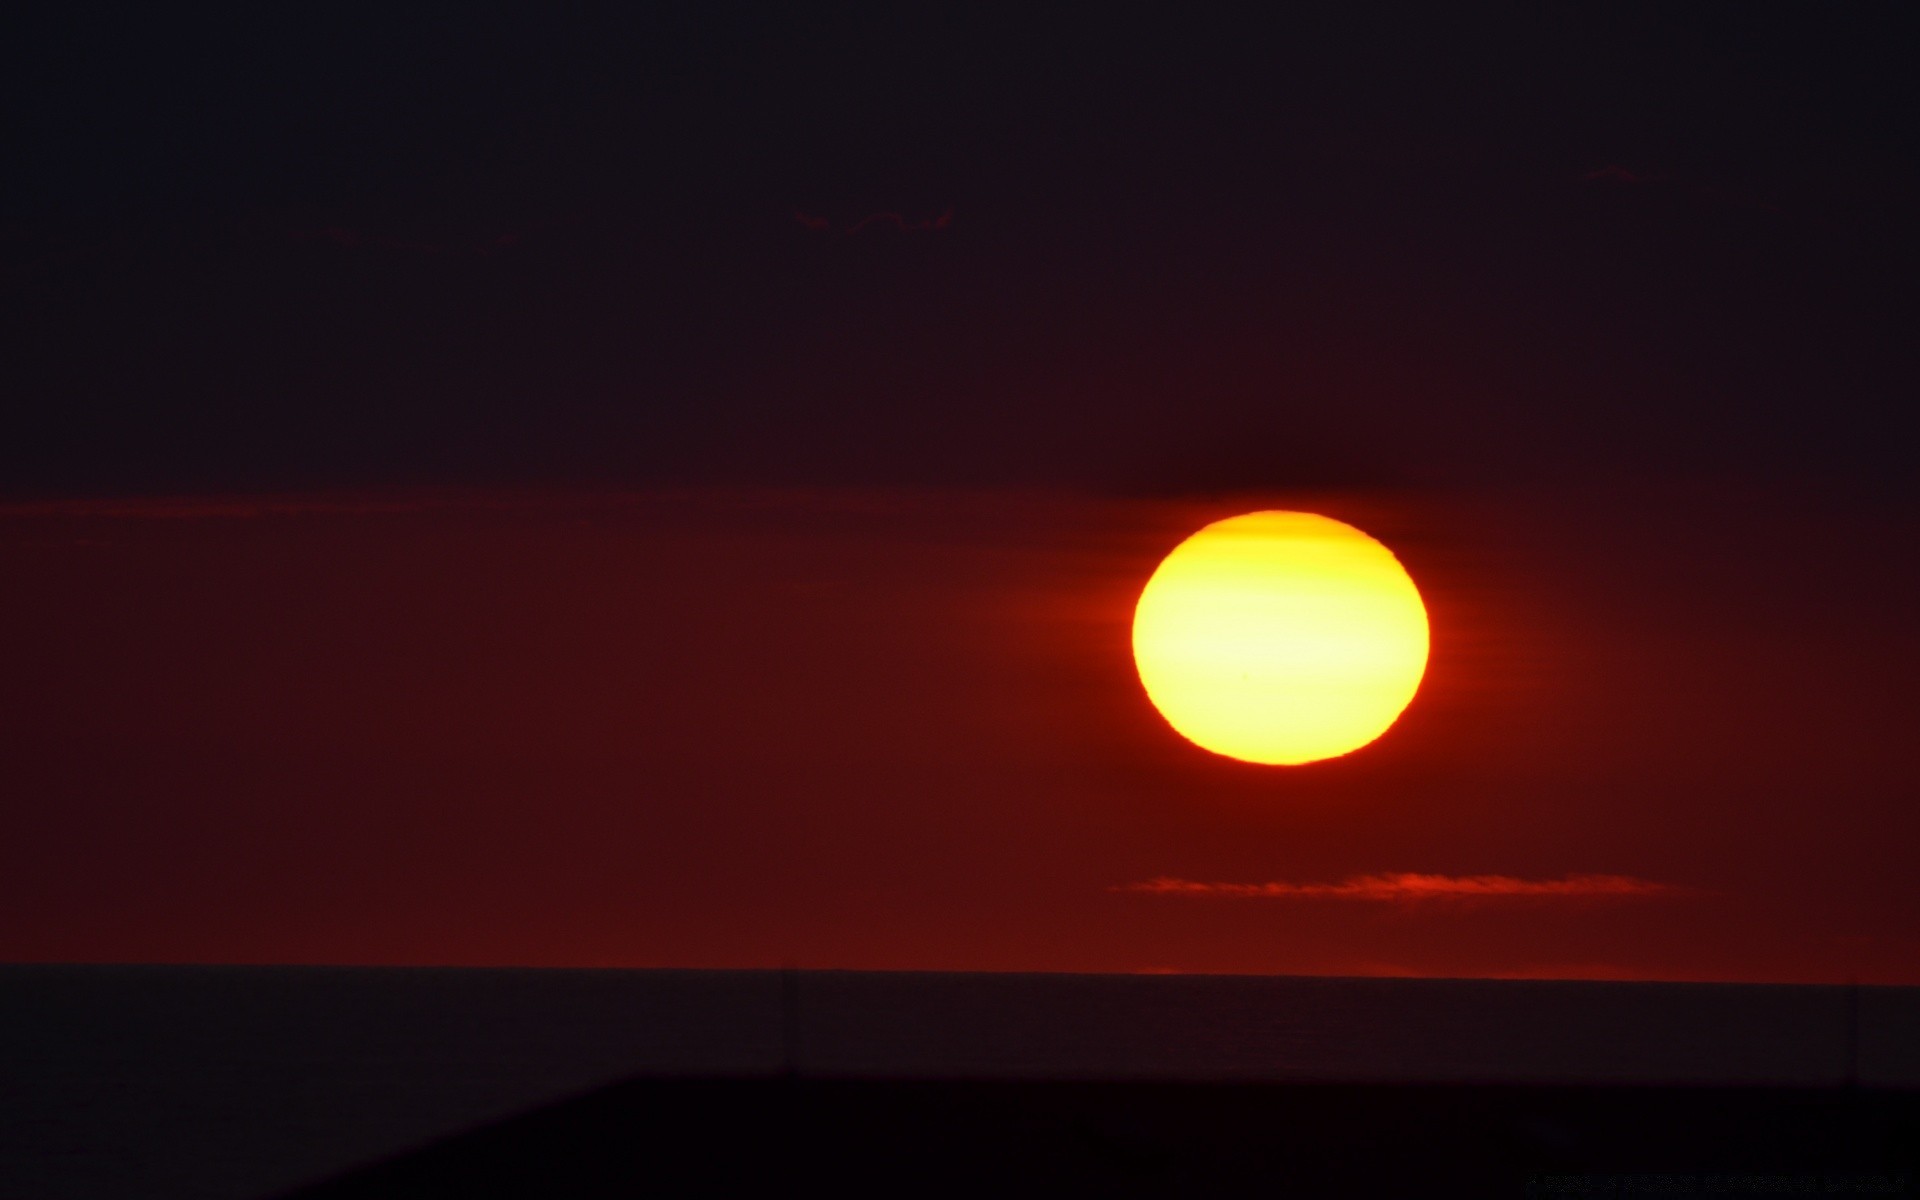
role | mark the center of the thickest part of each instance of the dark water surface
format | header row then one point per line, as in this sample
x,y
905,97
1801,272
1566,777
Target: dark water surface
x,y
1306,1141
223,1082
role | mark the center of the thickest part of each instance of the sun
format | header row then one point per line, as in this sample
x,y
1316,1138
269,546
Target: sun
x,y
1280,638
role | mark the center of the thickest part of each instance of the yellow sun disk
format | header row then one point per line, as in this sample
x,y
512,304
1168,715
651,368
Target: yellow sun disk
x,y
1280,637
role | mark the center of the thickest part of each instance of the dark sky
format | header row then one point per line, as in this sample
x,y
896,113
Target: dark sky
x,y
667,485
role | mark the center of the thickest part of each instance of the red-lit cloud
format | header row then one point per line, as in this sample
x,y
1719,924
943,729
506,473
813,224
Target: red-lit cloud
x,y
1409,886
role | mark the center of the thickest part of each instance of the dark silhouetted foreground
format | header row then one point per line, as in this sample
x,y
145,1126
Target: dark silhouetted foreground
x,y
679,1137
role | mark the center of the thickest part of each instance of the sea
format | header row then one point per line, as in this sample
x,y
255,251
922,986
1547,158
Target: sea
x,y
223,1082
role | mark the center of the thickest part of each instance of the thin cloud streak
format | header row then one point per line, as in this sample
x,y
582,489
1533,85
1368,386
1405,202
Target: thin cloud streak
x,y
1411,887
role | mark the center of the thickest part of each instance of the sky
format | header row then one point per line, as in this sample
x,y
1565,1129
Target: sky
x,y
669,488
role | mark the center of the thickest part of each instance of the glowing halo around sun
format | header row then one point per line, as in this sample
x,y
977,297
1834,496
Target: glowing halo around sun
x,y
1280,638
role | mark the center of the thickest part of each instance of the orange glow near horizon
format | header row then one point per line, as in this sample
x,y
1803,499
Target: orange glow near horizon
x,y
1280,638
